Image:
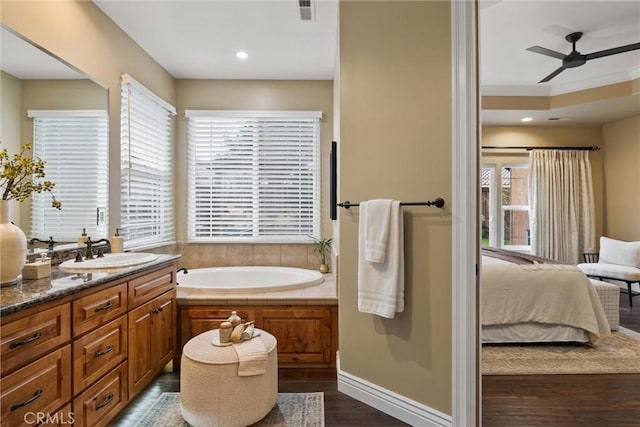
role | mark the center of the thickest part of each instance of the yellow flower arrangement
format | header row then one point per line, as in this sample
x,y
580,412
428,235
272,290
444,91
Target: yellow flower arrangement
x,y
17,175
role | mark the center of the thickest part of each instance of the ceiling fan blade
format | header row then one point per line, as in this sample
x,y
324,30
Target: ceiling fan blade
x,y
544,51
612,51
552,75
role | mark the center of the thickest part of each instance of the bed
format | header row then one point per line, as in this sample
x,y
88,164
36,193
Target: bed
x,y
532,299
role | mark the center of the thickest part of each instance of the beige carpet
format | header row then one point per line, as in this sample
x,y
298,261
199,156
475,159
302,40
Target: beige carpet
x,y
292,409
617,354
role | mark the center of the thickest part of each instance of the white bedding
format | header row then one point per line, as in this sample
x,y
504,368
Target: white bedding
x,y
539,303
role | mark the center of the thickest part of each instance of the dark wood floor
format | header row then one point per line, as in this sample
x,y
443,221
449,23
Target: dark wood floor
x,y
566,400
513,401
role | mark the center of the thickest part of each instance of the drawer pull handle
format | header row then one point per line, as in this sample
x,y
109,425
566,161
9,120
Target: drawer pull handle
x,y
36,395
35,336
105,351
106,402
157,310
107,306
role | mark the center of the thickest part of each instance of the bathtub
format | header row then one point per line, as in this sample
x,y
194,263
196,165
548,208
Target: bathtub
x,y
222,280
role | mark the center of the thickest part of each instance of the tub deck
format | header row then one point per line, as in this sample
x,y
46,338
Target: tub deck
x,y
325,293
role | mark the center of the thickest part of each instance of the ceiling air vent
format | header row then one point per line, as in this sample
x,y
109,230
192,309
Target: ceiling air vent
x,y
305,10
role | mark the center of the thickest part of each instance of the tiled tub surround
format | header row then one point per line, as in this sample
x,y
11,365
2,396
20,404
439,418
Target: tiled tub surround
x,y
201,255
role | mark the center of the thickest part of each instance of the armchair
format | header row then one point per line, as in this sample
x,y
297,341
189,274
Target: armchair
x,y
617,260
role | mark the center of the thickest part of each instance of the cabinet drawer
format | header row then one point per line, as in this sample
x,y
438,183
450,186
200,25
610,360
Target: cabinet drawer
x,y
102,402
151,285
98,308
25,340
97,352
42,386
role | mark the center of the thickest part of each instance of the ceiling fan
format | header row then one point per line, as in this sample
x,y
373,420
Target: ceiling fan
x,y
575,58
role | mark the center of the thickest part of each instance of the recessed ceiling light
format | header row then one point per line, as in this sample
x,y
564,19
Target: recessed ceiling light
x,y
242,54
526,119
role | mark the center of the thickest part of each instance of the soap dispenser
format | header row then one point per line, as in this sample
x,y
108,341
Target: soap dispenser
x,y
117,242
83,237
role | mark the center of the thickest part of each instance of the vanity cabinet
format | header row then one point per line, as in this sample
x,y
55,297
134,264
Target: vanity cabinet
x,y
80,359
307,335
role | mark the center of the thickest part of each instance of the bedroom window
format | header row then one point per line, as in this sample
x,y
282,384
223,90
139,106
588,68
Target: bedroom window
x,y
505,206
253,176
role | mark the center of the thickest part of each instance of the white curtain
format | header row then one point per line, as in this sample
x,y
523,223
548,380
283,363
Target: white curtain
x,y
562,212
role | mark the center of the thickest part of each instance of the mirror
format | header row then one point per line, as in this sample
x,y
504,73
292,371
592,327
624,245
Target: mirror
x,y
33,80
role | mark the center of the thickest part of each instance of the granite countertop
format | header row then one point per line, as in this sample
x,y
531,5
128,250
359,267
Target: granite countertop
x,y
33,292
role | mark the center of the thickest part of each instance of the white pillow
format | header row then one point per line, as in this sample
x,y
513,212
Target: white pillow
x,y
618,252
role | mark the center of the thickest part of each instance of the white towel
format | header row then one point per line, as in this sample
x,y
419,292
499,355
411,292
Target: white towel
x,y
381,284
252,357
376,229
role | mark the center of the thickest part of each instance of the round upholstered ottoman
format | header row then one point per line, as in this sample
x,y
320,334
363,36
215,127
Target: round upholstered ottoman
x,y
212,393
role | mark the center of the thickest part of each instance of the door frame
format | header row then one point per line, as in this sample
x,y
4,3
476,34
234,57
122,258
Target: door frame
x,y
466,375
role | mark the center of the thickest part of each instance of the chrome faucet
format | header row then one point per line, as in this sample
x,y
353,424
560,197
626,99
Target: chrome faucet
x,y
89,243
50,243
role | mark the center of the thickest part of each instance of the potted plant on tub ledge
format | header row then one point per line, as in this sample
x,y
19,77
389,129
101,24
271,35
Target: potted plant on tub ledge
x,y
322,246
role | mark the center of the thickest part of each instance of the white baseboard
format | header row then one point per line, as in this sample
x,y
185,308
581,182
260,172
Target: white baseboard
x,y
389,402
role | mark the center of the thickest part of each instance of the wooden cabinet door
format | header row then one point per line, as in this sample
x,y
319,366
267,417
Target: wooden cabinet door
x,y
303,334
151,340
164,329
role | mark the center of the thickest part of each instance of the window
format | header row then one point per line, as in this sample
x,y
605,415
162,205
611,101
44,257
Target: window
x,y
146,159
74,145
508,196
254,175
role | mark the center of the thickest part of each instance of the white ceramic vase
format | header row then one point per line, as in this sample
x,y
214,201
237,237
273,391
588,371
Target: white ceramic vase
x,y
13,248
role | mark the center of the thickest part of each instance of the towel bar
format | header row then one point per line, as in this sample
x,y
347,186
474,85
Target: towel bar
x,y
438,203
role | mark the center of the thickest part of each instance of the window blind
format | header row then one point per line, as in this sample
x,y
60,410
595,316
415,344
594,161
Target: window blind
x,y
253,175
74,145
147,212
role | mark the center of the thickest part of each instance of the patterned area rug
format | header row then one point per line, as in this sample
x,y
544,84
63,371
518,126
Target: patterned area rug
x,y
291,410
616,354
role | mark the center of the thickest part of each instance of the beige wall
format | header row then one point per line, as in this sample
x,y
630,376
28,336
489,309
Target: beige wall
x,y
10,94
315,95
622,179
549,136
59,95
395,142
79,34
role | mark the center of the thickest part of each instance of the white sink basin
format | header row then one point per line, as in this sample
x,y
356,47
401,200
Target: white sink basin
x,y
110,262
